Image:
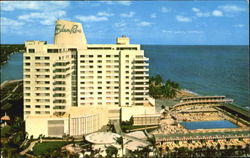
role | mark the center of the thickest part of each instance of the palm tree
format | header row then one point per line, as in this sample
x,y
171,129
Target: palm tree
x,y
152,142
170,89
119,140
111,150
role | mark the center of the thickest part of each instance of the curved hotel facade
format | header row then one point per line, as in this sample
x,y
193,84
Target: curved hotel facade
x,y
71,87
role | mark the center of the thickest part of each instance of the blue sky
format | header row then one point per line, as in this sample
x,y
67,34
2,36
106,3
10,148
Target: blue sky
x,y
145,22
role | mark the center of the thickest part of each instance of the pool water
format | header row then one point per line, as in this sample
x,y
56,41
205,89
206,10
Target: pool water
x,y
209,124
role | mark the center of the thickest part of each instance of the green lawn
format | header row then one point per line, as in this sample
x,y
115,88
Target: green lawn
x,y
41,148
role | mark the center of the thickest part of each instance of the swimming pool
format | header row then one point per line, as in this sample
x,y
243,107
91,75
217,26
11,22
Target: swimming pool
x,y
209,124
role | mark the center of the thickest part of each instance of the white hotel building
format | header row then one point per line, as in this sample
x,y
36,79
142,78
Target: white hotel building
x,y
71,87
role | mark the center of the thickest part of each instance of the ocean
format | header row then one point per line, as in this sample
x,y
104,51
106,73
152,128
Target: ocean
x,y
206,70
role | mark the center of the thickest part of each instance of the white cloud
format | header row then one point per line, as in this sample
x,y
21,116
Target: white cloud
x,y
144,23
201,14
120,24
182,32
183,19
195,32
239,25
195,9
127,15
46,18
105,14
164,10
153,15
217,13
231,8
10,22
125,3
91,18
33,5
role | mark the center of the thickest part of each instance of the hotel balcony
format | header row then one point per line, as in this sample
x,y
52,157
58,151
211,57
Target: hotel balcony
x,y
140,74
141,59
141,70
140,64
140,85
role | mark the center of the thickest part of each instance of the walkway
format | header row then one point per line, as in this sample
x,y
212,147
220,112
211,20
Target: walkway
x,y
32,144
17,86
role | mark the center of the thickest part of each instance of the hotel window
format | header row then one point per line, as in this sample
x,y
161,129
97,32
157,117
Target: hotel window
x,y
91,56
99,98
38,106
90,61
99,103
127,72
99,92
27,100
27,112
99,77
27,106
127,92
47,112
27,64
90,66
127,77
27,82
37,58
27,88
108,82
127,66
82,55
27,76
99,66
127,98
127,103
27,70
99,61
46,58
99,87
52,50
31,50
27,58
38,112
127,61
99,56
27,94
116,56
99,82
127,82
107,56
127,56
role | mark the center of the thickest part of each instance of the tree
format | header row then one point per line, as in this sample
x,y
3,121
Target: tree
x,y
111,150
163,107
119,140
6,106
152,142
158,79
